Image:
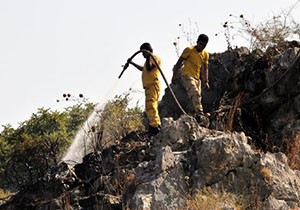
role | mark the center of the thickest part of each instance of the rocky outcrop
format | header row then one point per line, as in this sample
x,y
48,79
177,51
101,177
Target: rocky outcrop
x,y
159,172
257,93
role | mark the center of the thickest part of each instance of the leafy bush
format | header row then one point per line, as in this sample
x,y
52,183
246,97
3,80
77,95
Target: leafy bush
x,y
116,120
44,138
29,151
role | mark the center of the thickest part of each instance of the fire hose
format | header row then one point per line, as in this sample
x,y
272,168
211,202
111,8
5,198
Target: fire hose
x,y
163,76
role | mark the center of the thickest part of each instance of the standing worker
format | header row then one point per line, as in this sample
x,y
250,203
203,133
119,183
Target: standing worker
x,y
151,84
193,59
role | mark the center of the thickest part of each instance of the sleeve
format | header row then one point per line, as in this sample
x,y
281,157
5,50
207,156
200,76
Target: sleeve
x,y
206,57
186,52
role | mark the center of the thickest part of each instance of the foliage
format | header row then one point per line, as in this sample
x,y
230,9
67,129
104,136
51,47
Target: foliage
x,y
5,149
116,120
77,114
45,136
42,139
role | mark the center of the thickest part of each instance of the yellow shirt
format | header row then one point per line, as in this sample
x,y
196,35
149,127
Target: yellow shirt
x,y
193,61
151,77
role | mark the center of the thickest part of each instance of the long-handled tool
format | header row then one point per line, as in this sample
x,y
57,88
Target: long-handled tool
x,y
127,64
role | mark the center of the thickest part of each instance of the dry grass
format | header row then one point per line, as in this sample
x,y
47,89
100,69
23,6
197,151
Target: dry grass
x,y
293,153
235,104
209,199
266,173
4,196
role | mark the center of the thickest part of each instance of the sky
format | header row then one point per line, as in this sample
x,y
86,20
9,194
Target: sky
x,y
52,47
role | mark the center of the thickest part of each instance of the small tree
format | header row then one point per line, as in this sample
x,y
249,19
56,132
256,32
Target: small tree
x,y
41,139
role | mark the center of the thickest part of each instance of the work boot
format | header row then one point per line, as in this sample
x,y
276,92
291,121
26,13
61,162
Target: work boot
x,y
202,119
153,130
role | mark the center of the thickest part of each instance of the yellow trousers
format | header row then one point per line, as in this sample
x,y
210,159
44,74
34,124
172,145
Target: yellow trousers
x,y
193,89
152,93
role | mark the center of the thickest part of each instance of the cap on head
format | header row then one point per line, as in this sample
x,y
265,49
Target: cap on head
x,y
203,38
146,46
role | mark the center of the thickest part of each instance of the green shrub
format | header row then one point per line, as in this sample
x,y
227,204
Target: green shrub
x,y
116,120
30,150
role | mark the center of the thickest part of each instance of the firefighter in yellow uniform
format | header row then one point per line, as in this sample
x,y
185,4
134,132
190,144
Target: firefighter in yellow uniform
x,y
193,59
151,84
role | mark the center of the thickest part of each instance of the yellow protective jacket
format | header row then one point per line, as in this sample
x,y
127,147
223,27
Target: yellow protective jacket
x,y
151,77
193,61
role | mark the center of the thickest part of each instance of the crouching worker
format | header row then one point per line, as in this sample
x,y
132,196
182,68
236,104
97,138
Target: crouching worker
x,y
151,84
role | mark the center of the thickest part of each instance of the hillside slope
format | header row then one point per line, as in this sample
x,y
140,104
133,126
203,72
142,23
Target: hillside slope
x,y
254,107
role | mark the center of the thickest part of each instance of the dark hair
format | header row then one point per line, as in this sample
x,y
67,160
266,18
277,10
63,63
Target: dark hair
x,y
146,46
203,38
